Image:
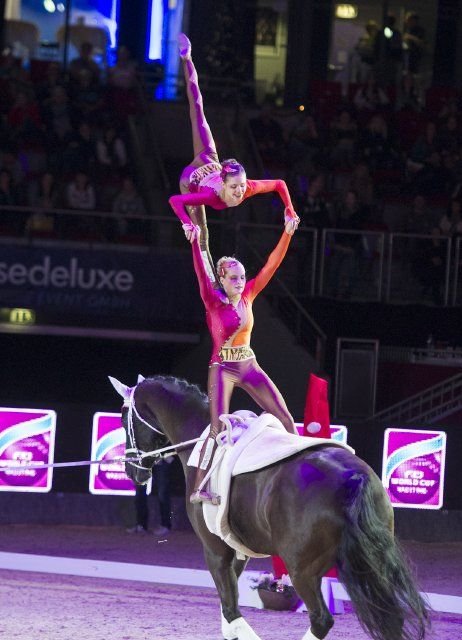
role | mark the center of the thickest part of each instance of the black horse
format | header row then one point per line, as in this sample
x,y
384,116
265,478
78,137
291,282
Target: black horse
x,y
319,508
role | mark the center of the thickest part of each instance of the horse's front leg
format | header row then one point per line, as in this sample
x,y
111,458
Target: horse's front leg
x,y
223,565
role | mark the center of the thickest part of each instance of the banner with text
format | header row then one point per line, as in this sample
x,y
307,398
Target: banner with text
x,y
108,442
413,467
102,286
27,437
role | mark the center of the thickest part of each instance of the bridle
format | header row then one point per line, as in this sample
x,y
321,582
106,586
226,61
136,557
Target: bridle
x,y
139,454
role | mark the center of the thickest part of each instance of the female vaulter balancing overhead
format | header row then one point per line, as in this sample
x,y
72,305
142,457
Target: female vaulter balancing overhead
x,y
233,364
207,181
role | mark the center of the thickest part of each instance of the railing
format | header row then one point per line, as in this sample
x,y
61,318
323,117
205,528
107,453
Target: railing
x,y
351,264
389,267
359,265
446,356
433,403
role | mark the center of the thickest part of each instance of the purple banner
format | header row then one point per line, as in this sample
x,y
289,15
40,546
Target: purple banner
x,y
108,442
27,437
413,467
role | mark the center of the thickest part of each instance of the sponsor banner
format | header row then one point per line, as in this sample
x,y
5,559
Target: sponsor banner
x,y
413,467
27,436
108,442
102,285
338,432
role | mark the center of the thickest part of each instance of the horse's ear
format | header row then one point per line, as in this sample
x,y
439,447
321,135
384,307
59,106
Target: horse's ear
x,y
121,388
140,378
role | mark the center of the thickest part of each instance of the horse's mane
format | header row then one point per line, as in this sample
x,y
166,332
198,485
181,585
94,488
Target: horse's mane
x,y
188,388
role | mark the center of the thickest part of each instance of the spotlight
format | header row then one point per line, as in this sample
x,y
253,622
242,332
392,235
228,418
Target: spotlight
x,y
49,6
301,107
60,7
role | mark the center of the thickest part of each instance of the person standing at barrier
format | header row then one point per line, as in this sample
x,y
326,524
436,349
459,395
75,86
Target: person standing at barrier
x,y
206,180
233,363
161,473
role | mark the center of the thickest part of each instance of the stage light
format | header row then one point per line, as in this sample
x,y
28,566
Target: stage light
x,y
156,23
387,32
21,316
346,11
61,8
49,6
301,107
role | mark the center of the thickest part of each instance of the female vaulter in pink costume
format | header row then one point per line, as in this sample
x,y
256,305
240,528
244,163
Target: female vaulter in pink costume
x,y
233,364
206,181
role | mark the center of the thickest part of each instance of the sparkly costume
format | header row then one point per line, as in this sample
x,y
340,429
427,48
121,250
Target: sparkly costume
x,y
233,362
203,194
200,181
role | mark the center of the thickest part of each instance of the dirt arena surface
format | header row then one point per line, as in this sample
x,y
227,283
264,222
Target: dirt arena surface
x,y
56,607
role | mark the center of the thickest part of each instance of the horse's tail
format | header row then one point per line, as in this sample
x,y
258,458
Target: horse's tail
x,y
373,568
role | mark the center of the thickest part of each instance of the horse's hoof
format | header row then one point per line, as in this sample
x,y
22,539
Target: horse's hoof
x,y
239,629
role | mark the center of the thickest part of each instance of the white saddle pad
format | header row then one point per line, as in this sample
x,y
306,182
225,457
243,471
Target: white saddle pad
x,y
252,445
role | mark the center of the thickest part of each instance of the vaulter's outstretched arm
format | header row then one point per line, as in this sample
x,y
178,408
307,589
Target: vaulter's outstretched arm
x,y
254,187
274,260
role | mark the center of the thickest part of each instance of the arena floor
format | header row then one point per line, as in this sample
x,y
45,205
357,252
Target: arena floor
x,y
61,607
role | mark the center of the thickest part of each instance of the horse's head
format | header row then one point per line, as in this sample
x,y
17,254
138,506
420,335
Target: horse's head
x,y
143,432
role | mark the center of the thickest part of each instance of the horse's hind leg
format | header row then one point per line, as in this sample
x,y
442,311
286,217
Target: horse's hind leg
x,y
309,590
225,570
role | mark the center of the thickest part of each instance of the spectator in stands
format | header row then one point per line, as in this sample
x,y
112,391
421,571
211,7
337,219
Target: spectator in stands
x,y
48,192
408,96
449,137
24,116
269,136
312,204
9,160
388,53
375,145
346,249
80,193
362,60
8,194
128,203
58,115
41,222
54,78
304,141
12,220
87,98
414,43
123,75
111,152
86,63
122,80
423,147
362,183
433,179
343,139
80,151
450,223
370,98
419,218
